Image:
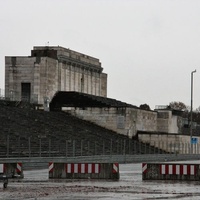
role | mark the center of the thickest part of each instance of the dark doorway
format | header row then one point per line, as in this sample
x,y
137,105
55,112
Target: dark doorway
x,y
26,92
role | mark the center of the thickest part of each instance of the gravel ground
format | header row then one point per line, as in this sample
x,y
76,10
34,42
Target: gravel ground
x,y
36,186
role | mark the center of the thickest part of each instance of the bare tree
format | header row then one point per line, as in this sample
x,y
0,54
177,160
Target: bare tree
x,y
197,110
177,105
145,107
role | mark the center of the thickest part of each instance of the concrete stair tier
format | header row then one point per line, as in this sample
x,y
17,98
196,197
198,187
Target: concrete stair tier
x,y
27,132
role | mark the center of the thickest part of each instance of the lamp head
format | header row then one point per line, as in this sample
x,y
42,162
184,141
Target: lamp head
x,y
194,71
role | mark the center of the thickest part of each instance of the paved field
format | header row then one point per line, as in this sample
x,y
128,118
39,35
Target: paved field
x,y
36,186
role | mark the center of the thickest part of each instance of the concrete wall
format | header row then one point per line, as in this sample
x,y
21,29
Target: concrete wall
x,y
103,79
169,123
42,74
78,79
170,142
146,120
125,121
16,72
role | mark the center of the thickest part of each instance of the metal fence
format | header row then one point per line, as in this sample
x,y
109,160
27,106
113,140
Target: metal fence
x,y
49,147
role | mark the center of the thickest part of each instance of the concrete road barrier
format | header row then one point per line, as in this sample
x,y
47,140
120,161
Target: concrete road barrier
x,y
84,170
170,171
12,170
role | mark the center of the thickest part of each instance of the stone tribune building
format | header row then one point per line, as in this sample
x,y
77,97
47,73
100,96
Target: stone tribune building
x,y
49,69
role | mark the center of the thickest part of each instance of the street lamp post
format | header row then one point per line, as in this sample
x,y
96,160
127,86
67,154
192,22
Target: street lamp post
x,y
191,149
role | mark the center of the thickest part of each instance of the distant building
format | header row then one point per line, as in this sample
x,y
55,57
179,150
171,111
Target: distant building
x,y
49,69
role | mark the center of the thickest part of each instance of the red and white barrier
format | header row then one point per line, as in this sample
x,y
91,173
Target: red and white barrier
x,y
177,169
6,167
170,171
19,168
51,166
84,168
2,168
144,167
115,168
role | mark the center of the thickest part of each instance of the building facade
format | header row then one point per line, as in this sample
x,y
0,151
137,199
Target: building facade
x,y
49,69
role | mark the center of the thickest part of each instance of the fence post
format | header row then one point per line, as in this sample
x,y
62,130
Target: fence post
x,y
66,147
135,148
49,147
185,148
95,148
154,144
140,148
117,147
185,152
121,147
19,146
103,147
159,146
81,147
74,148
111,147
40,147
170,147
124,147
182,148
29,146
145,148
88,148
8,145
167,147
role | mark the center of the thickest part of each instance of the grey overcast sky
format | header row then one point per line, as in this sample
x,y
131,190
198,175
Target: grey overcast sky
x,y
148,48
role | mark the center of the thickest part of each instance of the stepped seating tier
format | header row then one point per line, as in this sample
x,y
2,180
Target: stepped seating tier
x,y
29,132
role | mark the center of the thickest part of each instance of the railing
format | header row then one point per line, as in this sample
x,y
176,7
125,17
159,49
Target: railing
x,y
52,147
43,161
12,146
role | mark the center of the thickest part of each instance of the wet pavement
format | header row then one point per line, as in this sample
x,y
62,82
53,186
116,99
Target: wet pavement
x,y
36,186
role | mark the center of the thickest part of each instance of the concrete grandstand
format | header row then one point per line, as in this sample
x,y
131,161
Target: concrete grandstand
x,y
28,132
